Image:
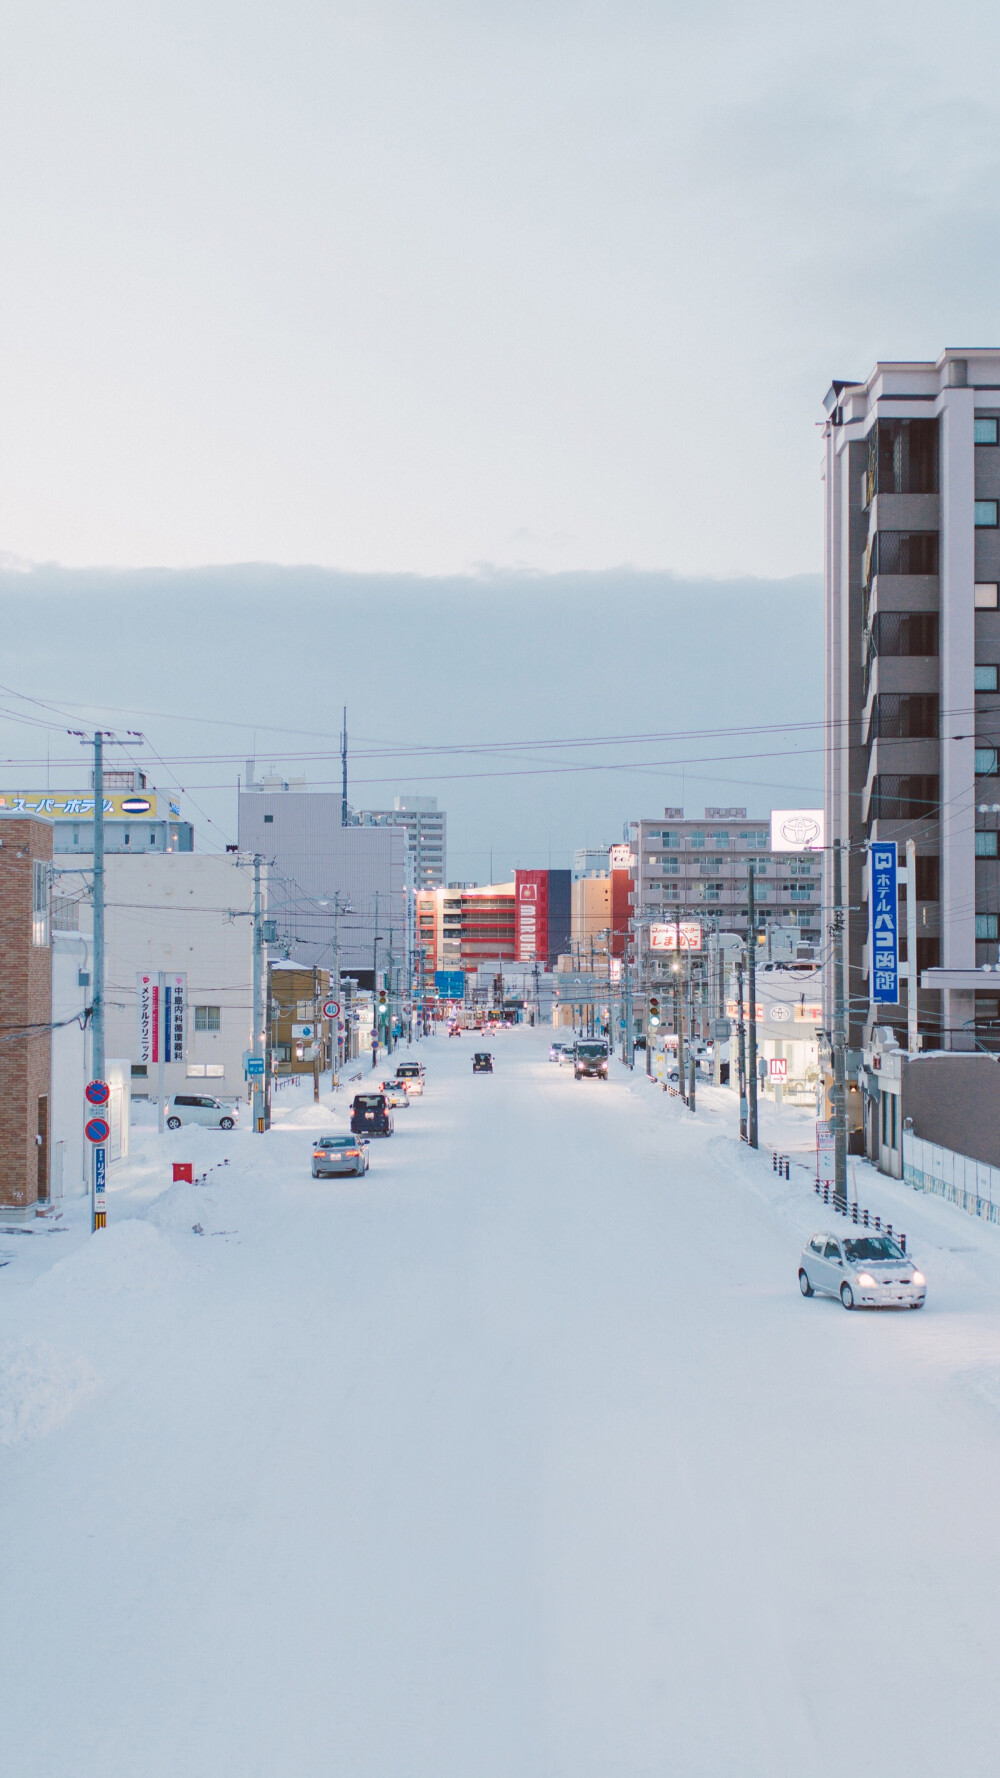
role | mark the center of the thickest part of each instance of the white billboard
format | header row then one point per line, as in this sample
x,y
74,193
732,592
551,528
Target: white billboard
x,y
797,830
684,935
620,857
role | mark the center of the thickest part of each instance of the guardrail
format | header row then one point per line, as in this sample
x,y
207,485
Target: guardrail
x,y
864,1219
973,1185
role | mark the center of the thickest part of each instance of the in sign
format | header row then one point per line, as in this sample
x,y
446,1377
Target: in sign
x,y
97,1130
779,1068
97,1092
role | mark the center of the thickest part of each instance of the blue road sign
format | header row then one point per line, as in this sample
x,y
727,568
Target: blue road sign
x,y
450,984
884,924
97,1130
255,1067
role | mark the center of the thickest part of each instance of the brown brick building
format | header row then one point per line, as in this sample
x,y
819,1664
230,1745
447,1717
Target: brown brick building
x,y
25,1011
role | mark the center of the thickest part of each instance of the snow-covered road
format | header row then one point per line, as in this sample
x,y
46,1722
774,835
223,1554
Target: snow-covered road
x,y
520,1458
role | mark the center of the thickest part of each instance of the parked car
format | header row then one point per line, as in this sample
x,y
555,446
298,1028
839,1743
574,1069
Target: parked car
x,y
590,1059
482,1062
395,1092
411,1077
370,1115
200,1108
865,1269
336,1155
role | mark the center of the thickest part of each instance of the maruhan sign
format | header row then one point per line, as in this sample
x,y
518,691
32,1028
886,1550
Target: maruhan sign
x,y
797,830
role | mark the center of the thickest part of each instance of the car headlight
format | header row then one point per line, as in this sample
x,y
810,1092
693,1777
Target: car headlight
x,y
867,1280
918,1278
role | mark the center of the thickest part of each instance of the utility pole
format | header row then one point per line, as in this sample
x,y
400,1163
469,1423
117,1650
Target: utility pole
x,y
752,985
258,1044
839,1031
339,1020
741,1044
375,989
343,771
912,1032
98,1210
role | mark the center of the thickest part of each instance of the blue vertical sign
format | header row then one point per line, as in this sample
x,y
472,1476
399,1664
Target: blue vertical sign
x,y
884,925
99,1182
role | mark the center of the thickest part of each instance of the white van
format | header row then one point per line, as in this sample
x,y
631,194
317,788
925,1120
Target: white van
x,y
200,1108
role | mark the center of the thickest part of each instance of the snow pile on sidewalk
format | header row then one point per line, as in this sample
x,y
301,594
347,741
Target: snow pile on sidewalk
x,y
39,1388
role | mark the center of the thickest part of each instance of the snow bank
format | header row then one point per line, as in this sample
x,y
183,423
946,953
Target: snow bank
x,y
39,1387
126,1258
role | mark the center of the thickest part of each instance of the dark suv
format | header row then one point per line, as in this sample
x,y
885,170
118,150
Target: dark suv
x,y
590,1060
482,1062
370,1115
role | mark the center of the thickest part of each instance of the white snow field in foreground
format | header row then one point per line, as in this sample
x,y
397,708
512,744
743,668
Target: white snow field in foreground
x,y
521,1457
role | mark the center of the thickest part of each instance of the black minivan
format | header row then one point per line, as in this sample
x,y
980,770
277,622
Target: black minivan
x,y
370,1115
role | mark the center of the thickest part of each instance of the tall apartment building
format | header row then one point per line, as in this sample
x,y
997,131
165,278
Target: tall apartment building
x,y
426,829
465,925
699,869
912,566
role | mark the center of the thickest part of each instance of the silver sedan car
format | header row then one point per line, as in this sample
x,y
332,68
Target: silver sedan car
x,y
336,1155
865,1269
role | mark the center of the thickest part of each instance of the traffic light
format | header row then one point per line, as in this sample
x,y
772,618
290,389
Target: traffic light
x,y
654,1011
382,1008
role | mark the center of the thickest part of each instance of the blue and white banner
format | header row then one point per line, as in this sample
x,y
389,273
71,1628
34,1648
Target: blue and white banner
x,y
883,927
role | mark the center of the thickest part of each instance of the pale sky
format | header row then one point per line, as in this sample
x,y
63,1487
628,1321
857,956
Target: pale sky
x,y
419,287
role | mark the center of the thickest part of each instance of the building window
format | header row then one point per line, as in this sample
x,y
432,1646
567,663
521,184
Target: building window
x,y
719,839
208,1018
698,840
985,512
986,762
39,903
910,552
986,678
139,1070
268,818
984,431
986,595
205,1071
929,877
986,844
986,925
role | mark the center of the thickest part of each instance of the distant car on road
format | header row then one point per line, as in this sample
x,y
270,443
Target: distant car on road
x,y
334,1156
590,1059
482,1062
556,1051
866,1270
370,1115
410,1075
200,1108
395,1092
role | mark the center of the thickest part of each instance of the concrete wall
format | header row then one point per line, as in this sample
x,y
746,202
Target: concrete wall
x,y
314,858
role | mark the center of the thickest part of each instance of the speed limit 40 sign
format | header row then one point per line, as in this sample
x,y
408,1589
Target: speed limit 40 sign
x,y
331,1009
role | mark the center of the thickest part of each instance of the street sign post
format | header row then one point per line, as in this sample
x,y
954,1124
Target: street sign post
x,y
255,1067
97,1092
331,1009
97,1130
100,1173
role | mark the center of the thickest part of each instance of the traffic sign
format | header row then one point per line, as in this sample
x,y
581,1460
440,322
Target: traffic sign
x,y
97,1092
97,1130
331,1009
255,1067
99,1176
779,1068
